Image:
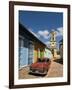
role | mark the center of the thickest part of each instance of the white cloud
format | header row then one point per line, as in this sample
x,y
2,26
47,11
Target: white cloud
x,y
60,30
44,34
47,43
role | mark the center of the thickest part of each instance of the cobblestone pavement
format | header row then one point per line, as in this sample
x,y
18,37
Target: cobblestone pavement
x,y
56,70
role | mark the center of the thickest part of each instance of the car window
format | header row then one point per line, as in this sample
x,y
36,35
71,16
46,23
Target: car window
x,y
39,60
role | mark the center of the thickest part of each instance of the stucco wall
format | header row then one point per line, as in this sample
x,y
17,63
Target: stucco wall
x,y
48,54
37,53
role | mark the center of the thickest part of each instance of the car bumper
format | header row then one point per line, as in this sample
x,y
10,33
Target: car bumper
x,y
38,72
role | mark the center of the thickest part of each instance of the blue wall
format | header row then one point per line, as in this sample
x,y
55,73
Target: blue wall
x,y
23,56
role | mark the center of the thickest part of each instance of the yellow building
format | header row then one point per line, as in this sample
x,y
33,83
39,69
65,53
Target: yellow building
x,y
38,51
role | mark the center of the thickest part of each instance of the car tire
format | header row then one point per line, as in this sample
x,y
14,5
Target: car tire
x,y
46,72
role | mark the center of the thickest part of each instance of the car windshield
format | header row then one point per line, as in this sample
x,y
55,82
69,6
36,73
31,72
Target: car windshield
x,y
43,60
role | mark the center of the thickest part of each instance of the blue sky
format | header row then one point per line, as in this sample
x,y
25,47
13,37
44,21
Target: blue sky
x,y
42,23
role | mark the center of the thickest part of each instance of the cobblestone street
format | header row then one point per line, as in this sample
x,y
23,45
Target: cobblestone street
x,y
56,70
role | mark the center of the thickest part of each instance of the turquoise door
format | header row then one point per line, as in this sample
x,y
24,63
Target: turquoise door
x,y
23,56
30,53
23,52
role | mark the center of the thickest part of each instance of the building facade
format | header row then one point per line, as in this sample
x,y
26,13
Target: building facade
x,y
30,47
61,48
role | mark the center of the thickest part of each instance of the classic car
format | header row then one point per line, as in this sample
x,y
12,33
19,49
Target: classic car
x,y
41,66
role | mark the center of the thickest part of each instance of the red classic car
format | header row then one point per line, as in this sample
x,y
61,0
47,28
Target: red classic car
x,y
40,67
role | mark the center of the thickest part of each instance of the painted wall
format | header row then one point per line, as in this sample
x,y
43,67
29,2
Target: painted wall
x,y
23,56
26,49
61,51
38,51
48,54
35,56
42,54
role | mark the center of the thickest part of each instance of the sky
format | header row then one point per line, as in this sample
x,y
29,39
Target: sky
x,y
42,23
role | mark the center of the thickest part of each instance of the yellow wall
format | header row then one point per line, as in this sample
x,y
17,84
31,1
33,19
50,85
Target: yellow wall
x,y
36,47
42,54
35,56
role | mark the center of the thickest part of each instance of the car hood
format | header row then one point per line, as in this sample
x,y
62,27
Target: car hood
x,y
39,65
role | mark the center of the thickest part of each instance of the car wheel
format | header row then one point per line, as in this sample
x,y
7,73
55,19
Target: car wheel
x,y
33,70
46,71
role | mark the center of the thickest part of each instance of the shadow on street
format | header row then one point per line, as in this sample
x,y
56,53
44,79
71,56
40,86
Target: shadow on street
x,y
37,74
59,61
